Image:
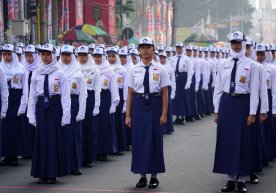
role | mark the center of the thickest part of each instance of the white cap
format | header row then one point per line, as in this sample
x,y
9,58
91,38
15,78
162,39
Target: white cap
x,y
200,49
8,47
168,49
98,51
20,44
82,49
131,46
179,44
91,46
30,48
160,48
173,49
261,48
195,48
146,41
205,49
67,49
163,54
272,47
123,52
134,51
217,49
237,36
18,50
101,46
113,49
249,41
156,52
48,47
189,47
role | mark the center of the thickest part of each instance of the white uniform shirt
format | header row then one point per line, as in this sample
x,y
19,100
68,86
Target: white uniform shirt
x,y
185,65
264,108
273,90
58,85
268,71
4,91
204,73
171,74
247,81
158,77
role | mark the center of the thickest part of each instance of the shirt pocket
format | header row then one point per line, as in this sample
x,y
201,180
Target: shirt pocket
x,y
74,86
55,86
16,81
138,79
243,78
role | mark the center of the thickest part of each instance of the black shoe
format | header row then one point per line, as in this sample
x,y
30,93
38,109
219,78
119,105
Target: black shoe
x,y
241,187
176,121
202,115
27,157
153,183
119,154
42,181
254,179
87,165
182,121
197,117
75,172
143,182
52,181
190,119
6,162
102,158
230,186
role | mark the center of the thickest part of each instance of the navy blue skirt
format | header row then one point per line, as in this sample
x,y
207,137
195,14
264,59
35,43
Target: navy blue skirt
x,y
120,127
147,137
200,99
211,93
0,129
107,143
193,100
233,147
168,127
50,155
12,138
180,103
74,137
28,135
89,131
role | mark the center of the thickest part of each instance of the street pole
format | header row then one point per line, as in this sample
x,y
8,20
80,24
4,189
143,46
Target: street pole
x,y
43,22
55,20
21,16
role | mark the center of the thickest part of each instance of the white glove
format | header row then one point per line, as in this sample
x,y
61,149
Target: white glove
x,y
3,115
187,87
206,88
124,108
19,113
172,96
63,124
79,118
96,111
112,109
196,90
33,123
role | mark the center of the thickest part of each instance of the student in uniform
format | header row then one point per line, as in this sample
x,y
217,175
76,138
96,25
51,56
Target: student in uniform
x,y
109,100
168,127
12,139
236,99
90,123
30,64
49,111
120,72
70,66
19,52
147,106
134,53
4,100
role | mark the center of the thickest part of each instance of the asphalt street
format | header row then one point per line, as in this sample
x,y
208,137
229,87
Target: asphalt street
x,y
189,154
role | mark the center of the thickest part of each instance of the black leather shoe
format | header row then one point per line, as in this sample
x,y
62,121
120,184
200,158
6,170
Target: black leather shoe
x,y
142,182
153,183
241,187
176,121
102,157
230,186
42,181
197,117
75,172
88,165
53,181
254,179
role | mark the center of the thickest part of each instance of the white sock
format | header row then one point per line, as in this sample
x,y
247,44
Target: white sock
x,y
153,175
231,178
241,179
143,175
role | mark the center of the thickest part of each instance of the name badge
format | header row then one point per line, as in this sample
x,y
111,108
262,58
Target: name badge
x,y
56,89
105,82
89,81
74,85
155,77
15,80
242,79
267,82
119,80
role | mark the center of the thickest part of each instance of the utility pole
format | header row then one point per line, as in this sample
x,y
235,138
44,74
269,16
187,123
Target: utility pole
x,y
55,19
43,22
21,17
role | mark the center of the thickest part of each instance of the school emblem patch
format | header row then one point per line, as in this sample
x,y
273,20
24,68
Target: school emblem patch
x,y
155,77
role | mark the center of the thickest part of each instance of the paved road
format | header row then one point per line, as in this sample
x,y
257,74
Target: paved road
x,y
189,154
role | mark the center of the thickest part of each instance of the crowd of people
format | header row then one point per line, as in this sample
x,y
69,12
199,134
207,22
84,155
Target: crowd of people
x,y
67,107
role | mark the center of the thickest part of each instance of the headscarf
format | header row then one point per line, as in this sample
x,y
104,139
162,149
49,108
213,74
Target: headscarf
x,y
33,66
47,68
104,67
71,70
117,67
89,67
13,68
239,54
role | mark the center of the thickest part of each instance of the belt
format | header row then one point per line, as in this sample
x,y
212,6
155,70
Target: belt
x,y
236,95
155,94
74,96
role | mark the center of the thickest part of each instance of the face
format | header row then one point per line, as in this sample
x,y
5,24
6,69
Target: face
x,y
273,54
248,50
213,54
260,56
133,58
66,58
206,54
217,54
154,57
19,57
7,56
179,50
236,46
123,59
46,57
146,51
29,57
174,53
168,54
111,58
162,60
195,53
97,58
83,58
189,53
200,54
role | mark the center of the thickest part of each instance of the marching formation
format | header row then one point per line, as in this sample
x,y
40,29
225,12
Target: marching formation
x,y
68,107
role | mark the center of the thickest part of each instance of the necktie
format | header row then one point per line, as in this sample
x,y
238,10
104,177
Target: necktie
x,y
9,84
146,82
29,79
177,67
46,92
233,76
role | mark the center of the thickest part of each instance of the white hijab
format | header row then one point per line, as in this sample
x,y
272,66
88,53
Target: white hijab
x,y
13,68
48,68
239,54
117,67
89,67
71,70
104,67
33,66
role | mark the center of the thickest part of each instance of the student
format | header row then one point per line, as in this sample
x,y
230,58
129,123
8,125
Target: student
x,y
70,66
134,53
109,100
49,111
120,72
168,127
90,123
19,52
147,106
30,64
236,99
12,139
4,100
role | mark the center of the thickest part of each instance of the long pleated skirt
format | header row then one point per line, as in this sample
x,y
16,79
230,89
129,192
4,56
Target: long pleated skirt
x,y
168,127
193,100
233,147
50,152
0,128
28,135
147,137
107,143
89,131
